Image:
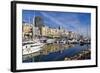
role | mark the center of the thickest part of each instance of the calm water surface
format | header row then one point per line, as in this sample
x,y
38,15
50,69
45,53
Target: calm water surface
x,y
55,52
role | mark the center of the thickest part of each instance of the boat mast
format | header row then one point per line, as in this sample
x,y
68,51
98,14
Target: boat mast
x,y
34,25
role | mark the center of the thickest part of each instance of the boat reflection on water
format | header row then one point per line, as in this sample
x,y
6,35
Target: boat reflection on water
x,y
56,52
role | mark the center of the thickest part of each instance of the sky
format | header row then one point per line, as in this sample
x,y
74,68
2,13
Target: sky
x,y
71,21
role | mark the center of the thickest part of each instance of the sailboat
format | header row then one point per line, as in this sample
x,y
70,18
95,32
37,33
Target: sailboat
x,y
34,44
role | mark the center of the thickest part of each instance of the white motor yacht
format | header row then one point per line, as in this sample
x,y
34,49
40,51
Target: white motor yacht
x,y
50,41
30,47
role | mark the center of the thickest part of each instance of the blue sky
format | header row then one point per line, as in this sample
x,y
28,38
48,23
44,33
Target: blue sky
x,y
72,21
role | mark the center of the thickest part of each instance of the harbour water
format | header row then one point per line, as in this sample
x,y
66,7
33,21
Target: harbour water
x,y
56,52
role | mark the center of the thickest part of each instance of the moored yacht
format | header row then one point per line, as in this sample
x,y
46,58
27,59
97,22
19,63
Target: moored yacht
x,y
31,47
49,41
